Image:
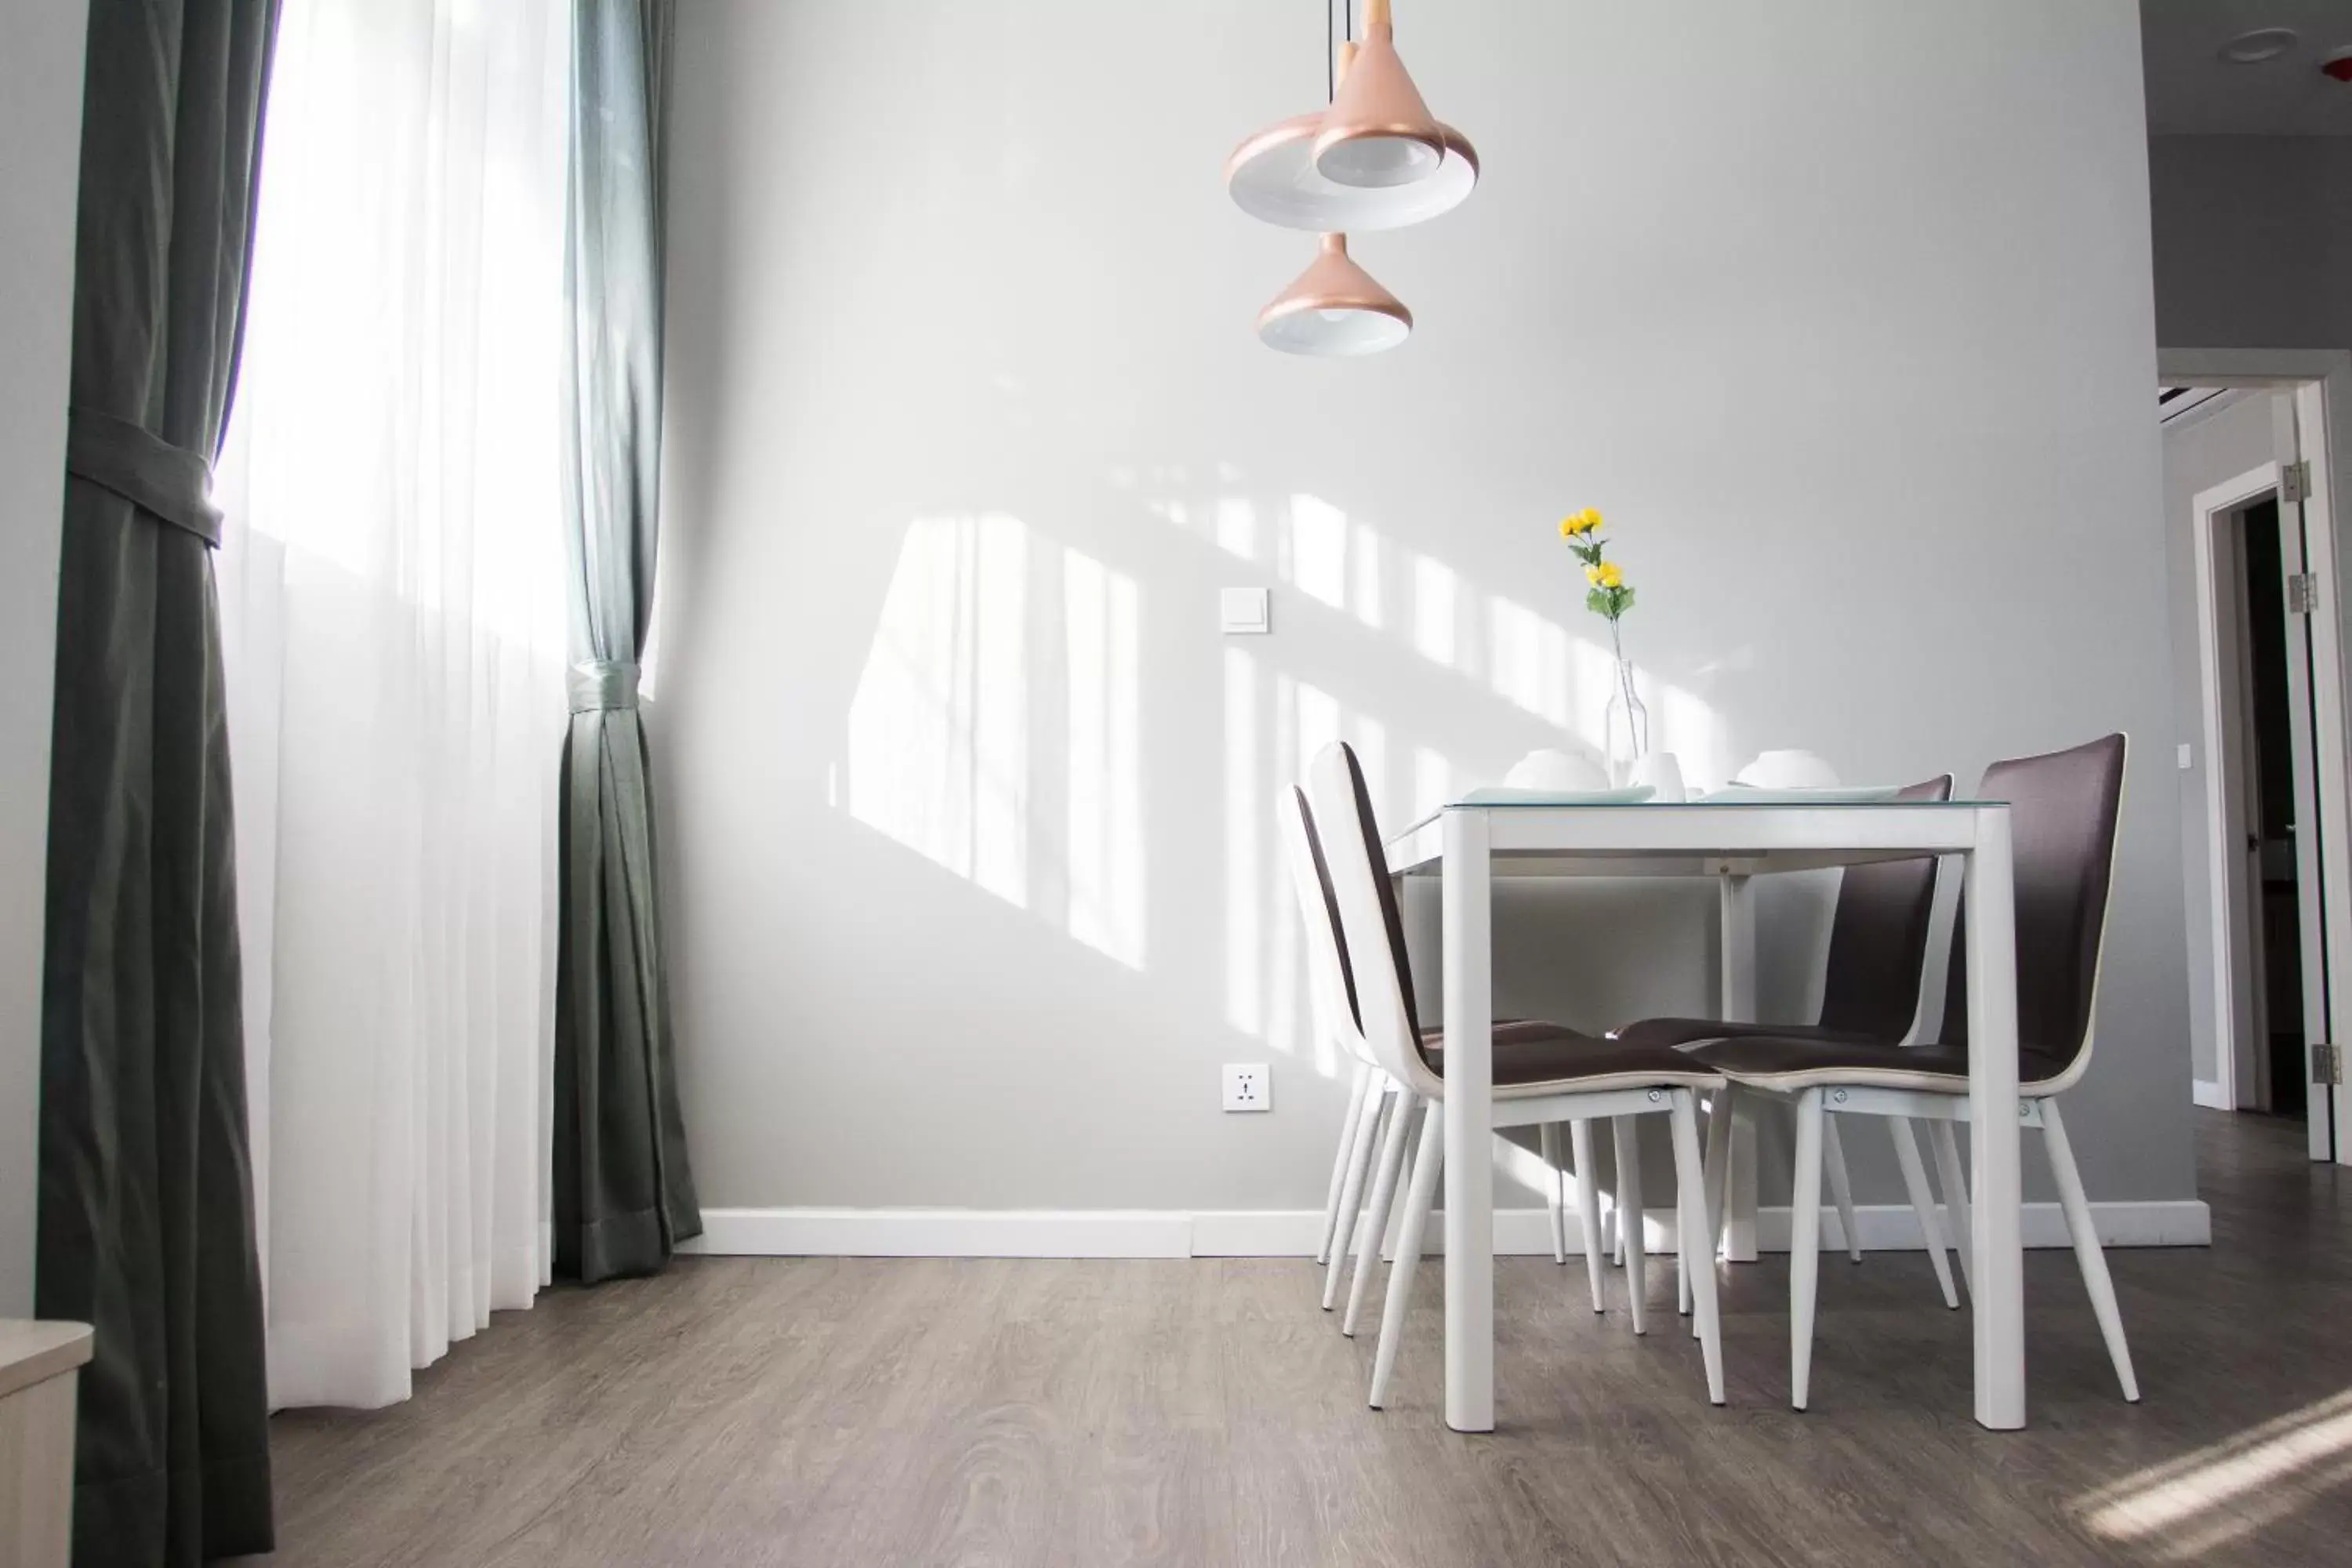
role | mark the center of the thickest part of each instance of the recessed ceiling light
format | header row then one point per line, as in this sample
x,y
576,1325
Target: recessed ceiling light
x,y
2262,43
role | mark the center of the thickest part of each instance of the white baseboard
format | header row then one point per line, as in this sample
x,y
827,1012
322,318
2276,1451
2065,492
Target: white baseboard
x,y
2210,1094
1294,1233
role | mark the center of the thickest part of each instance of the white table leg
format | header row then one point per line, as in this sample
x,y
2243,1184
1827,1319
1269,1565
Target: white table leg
x,y
1469,1125
1736,1000
1998,1285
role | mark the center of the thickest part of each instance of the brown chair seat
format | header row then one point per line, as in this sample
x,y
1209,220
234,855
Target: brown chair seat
x,y
1796,1061
1690,1031
1531,1053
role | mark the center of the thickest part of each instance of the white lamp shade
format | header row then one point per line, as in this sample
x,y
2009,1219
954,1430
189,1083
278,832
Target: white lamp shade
x,y
1273,177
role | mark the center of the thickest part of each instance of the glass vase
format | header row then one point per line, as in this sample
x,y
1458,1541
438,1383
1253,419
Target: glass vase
x,y
1627,740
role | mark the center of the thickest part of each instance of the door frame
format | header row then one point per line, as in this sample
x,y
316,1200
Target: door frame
x,y
2320,381
2221,656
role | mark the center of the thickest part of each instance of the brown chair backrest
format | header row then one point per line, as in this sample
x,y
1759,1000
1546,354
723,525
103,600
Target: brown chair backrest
x,y
1878,938
1391,911
2063,813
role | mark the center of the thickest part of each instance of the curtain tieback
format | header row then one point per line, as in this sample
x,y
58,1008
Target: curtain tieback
x,y
599,684
145,470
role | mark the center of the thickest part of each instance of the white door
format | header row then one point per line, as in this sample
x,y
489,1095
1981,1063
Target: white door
x,y
2322,835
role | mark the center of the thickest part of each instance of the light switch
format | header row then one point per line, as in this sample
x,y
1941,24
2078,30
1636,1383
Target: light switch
x,y
2185,762
1244,611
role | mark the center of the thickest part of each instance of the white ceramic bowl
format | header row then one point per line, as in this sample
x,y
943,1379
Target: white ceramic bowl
x,y
1560,770
1789,770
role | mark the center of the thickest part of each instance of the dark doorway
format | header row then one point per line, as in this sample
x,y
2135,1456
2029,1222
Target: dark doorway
x,y
2277,907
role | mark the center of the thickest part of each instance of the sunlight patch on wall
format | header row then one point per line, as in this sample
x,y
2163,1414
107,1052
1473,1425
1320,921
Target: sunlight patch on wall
x,y
1237,528
994,728
1106,809
1436,592
1527,659
1245,806
1316,560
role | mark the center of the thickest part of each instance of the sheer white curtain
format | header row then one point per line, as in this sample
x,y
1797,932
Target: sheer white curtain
x,y
391,604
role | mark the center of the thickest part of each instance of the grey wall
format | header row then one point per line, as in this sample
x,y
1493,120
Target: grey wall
x,y
967,804
2197,455
2254,240
40,160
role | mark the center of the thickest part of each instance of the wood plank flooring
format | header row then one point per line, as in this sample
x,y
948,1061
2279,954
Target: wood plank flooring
x,y
834,1411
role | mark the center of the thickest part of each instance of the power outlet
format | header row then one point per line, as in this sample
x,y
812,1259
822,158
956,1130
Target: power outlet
x,y
1248,1087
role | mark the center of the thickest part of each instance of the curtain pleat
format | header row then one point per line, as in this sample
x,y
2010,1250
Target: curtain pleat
x,y
146,1221
624,1191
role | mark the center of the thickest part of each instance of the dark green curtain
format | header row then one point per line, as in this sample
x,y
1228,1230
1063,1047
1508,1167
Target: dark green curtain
x,y
624,1193
146,1190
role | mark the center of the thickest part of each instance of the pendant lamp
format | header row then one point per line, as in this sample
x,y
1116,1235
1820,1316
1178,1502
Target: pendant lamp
x,y
1334,309
1378,134
1274,177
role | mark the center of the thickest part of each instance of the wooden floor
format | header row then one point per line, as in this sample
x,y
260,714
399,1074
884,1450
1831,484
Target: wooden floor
x,y
822,1412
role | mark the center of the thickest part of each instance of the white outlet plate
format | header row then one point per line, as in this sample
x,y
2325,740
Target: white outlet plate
x,y
1248,1087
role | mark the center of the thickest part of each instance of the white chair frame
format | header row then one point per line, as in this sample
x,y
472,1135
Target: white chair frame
x,y
1898,1099
1376,1097
1389,1035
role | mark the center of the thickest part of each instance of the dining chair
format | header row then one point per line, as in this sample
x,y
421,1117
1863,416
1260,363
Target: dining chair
x,y
1551,1073
2063,808
1377,1095
1873,988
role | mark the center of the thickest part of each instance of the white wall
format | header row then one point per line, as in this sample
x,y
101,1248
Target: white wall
x,y
2199,453
40,161
966,805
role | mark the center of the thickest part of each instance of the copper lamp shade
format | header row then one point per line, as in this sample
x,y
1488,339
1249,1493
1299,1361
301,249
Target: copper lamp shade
x,y
1334,309
1378,133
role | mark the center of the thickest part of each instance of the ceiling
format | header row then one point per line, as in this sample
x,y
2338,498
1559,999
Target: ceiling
x,y
2191,92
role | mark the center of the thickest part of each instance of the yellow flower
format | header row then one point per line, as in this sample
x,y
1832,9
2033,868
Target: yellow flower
x,y
1605,575
1577,524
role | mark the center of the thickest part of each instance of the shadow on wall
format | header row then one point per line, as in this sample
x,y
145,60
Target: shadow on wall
x,y
994,729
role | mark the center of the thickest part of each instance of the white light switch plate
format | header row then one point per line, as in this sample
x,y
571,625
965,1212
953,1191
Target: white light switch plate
x,y
2185,762
1243,610
1248,1087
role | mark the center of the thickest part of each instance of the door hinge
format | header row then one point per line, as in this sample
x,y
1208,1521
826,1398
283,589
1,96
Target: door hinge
x,y
2301,594
2294,482
2326,1063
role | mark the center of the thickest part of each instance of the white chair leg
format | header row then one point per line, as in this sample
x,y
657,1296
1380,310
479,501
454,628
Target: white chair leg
x,y
1697,1262
1923,1203
1588,1204
1555,1194
1956,1198
2094,1262
1719,1161
1339,1159
1714,1170
1374,1227
1804,1246
1841,1189
1352,1192
1683,1240
1426,1164
1628,1129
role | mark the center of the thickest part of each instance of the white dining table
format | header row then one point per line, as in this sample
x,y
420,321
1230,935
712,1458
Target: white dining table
x,y
1468,845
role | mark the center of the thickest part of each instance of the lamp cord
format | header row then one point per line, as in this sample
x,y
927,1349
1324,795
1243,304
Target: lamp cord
x,y
1333,37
